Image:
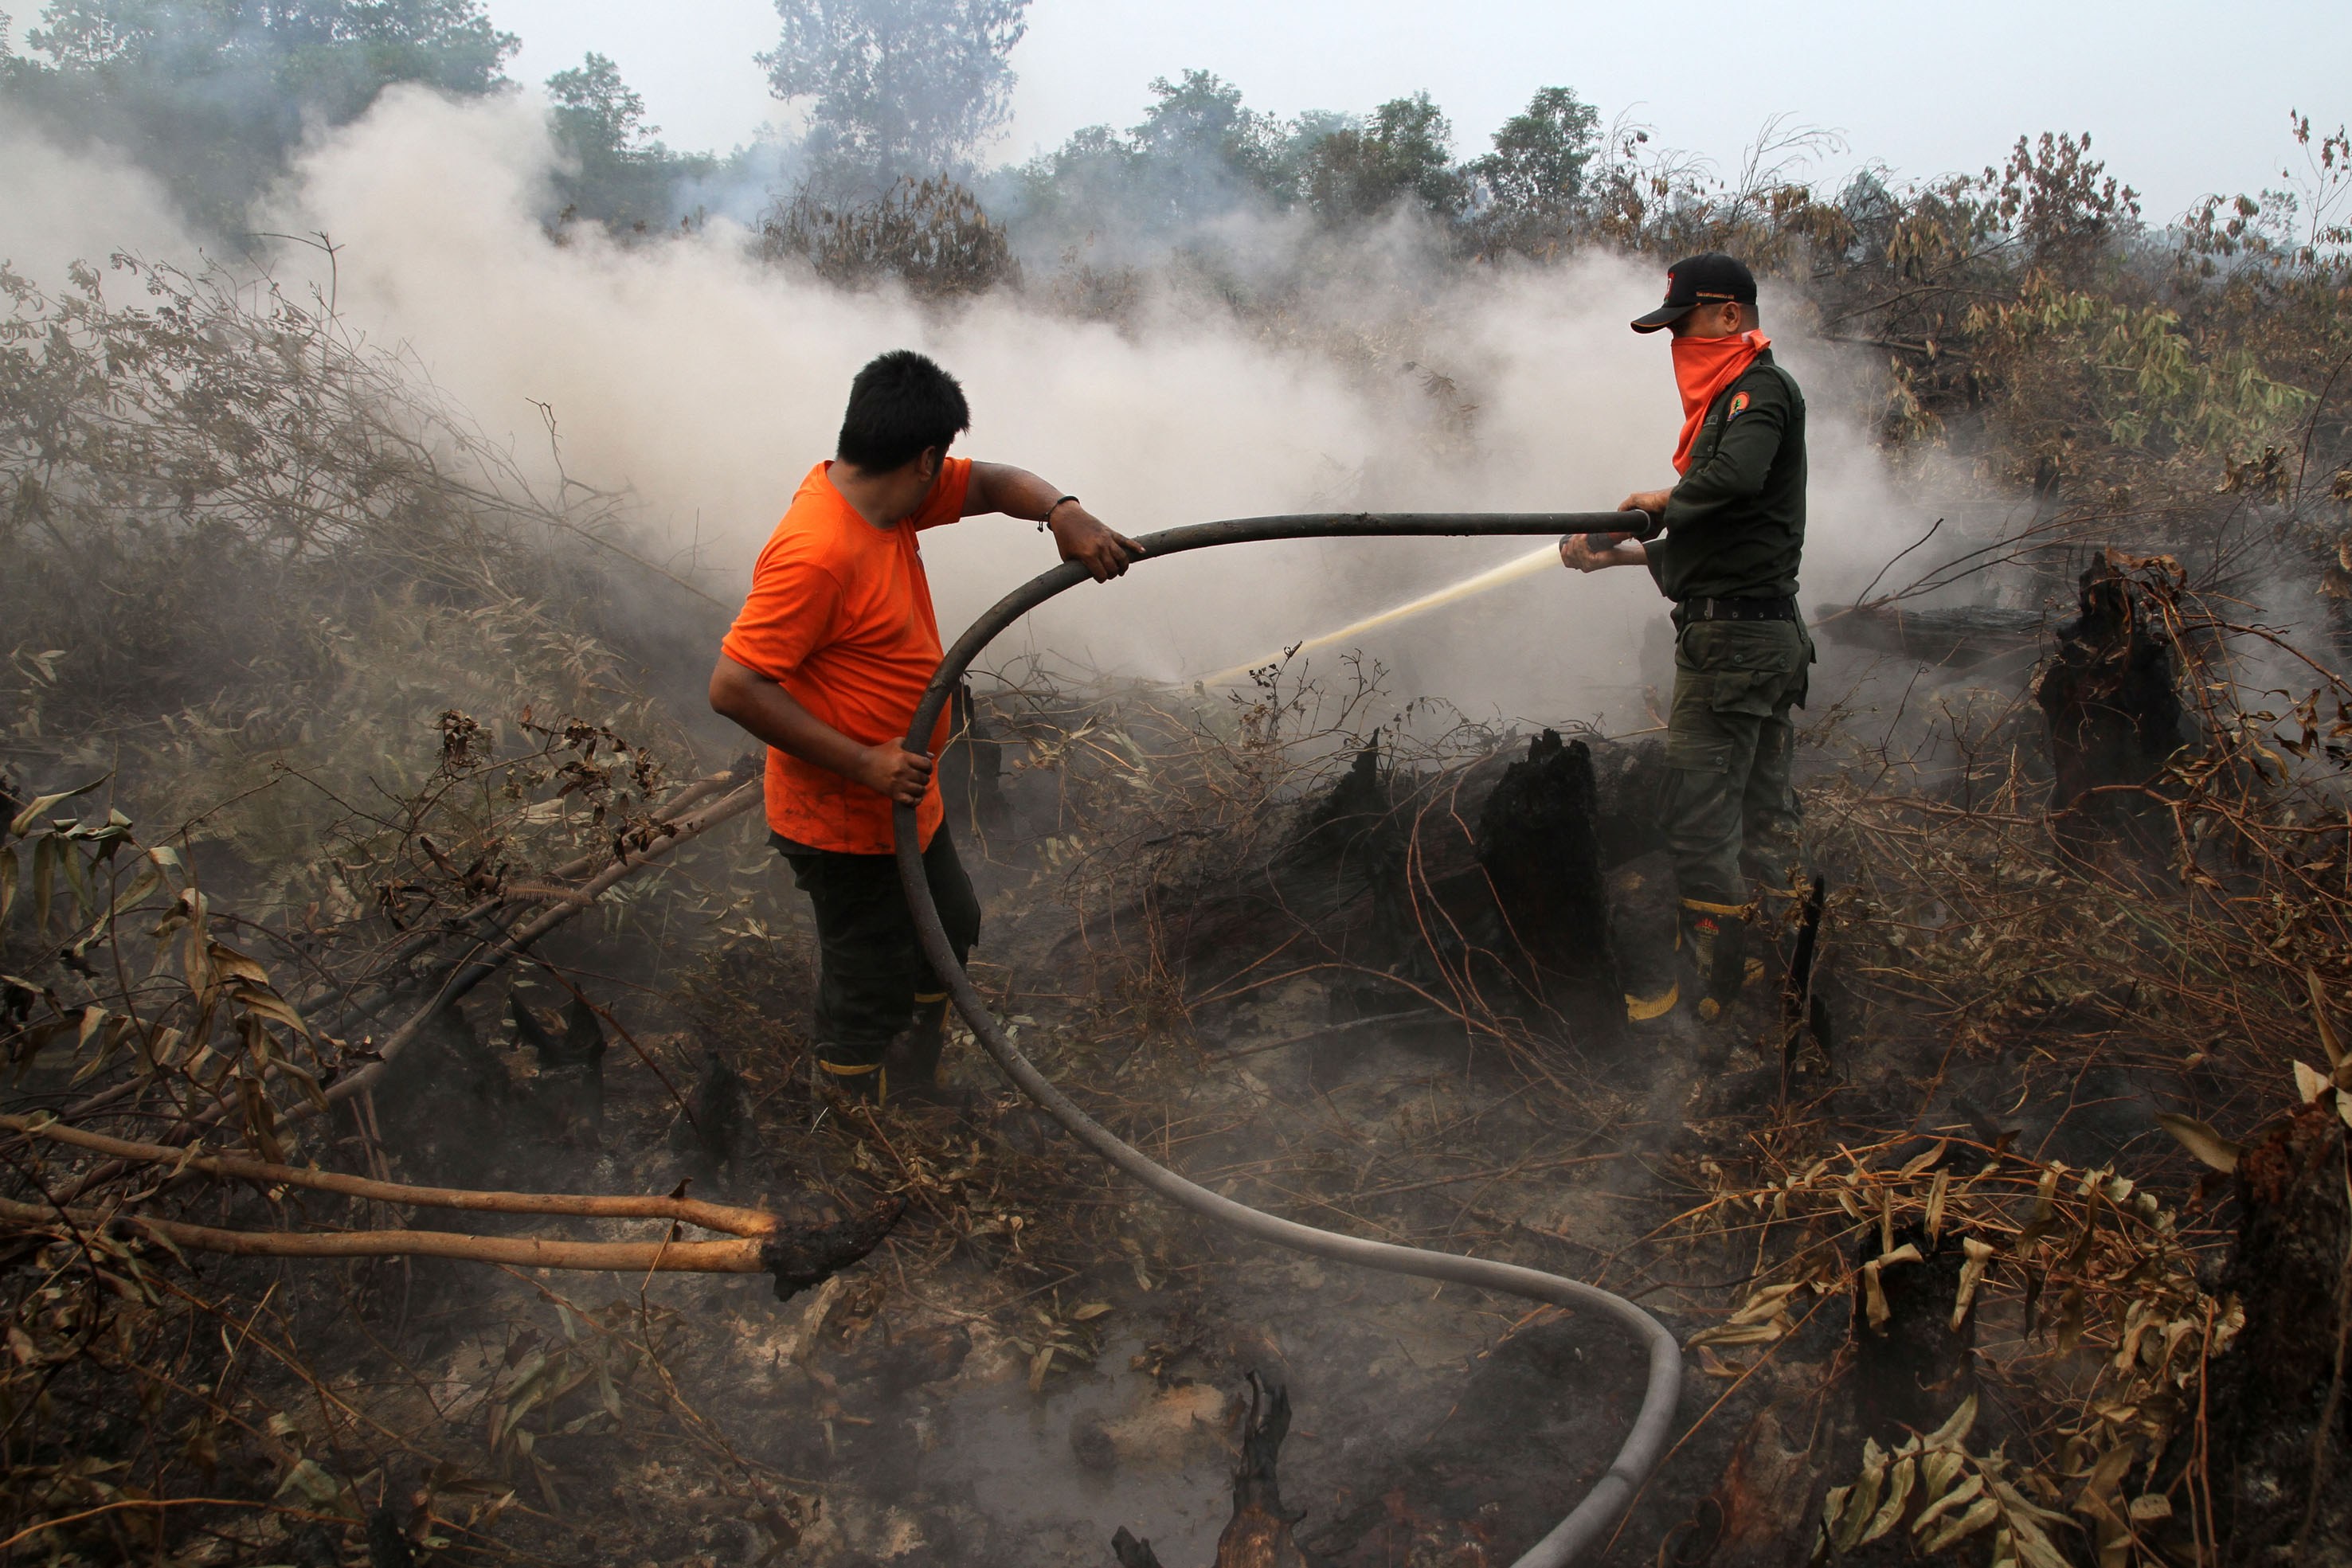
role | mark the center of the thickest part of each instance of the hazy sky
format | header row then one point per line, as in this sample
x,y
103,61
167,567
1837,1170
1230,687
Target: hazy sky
x,y
2181,99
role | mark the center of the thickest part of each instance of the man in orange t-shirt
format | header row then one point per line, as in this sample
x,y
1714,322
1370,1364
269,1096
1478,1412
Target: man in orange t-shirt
x,y
827,664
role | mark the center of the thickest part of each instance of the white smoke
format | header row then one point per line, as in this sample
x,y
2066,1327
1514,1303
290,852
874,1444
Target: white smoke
x,y
709,384
59,207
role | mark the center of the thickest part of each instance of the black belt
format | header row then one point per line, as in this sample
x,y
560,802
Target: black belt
x,y
1736,610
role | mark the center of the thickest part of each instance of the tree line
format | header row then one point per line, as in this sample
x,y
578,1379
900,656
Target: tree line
x,y
2028,315
213,97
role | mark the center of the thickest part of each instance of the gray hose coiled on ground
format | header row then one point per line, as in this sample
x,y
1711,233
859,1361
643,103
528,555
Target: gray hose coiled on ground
x,y
1643,1446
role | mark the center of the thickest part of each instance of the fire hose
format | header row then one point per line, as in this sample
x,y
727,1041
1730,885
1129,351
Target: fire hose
x,y
1582,1528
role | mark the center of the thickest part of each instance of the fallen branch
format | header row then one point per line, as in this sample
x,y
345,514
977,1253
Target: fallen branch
x,y
795,1259
742,1256
748,1222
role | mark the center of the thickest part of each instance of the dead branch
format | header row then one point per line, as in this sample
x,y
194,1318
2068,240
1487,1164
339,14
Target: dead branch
x,y
467,975
734,1221
743,1256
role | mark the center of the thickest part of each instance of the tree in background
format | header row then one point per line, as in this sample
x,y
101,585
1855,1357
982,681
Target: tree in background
x,y
1531,185
1198,154
618,175
896,87
212,95
1349,172
1203,150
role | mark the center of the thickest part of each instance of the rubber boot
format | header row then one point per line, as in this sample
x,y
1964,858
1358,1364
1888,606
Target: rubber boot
x,y
1650,1008
840,1076
914,1056
1645,933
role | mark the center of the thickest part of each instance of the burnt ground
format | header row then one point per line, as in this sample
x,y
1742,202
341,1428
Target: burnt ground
x,y
1039,1354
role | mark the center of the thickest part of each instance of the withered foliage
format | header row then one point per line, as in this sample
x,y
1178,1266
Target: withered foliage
x,y
931,235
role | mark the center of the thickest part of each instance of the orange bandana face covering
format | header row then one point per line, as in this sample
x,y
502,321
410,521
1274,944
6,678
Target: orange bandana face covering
x,y
1702,368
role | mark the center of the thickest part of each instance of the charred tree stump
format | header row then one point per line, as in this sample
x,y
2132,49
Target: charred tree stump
x,y
1910,1370
1537,842
1911,1367
2281,1417
569,1089
2111,698
714,1127
1804,1008
1357,833
1386,878
1259,1534
972,768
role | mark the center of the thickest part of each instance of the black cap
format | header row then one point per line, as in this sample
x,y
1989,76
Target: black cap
x,y
1694,281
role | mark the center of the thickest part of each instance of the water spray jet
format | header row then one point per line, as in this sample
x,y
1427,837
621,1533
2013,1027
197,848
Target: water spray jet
x,y
1470,587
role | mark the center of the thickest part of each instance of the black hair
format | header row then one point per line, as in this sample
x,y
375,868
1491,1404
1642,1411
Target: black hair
x,y
900,404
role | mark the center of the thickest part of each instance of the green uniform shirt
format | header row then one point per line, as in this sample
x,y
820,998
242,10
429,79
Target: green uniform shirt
x,y
1735,524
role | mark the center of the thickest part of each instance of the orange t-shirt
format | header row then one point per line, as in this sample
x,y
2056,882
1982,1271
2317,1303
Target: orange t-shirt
x,y
840,616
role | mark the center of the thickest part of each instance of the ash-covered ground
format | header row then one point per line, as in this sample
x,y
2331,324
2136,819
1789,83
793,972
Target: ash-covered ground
x,y
1366,981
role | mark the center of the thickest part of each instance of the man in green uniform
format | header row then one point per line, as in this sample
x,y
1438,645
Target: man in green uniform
x,y
1735,528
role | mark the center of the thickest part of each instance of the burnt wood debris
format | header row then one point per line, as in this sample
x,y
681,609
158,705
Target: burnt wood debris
x,y
1259,1533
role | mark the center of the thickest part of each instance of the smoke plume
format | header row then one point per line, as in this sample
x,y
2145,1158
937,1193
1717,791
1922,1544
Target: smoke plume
x,y
706,384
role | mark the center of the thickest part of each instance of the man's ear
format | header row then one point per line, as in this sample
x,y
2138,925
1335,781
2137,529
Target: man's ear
x,y
928,462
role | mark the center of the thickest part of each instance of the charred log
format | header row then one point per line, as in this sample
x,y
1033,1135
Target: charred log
x,y
814,1254
1969,635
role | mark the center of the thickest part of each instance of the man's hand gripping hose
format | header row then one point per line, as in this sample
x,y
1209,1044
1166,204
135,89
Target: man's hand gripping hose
x,y
1587,1523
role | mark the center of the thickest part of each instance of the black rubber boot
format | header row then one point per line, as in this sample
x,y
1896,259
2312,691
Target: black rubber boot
x,y
914,1058
840,1076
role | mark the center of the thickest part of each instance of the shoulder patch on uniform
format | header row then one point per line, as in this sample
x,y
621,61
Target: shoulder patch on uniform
x,y
1738,405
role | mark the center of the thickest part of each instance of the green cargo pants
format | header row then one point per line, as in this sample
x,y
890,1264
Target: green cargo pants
x,y
1730,809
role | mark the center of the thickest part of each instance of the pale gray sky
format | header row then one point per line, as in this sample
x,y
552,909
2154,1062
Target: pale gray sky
x,y
2181,99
